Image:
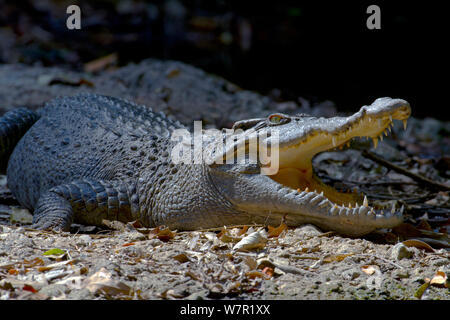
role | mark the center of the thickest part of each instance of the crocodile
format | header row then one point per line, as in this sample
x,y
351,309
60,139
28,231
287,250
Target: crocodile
x,y
89,158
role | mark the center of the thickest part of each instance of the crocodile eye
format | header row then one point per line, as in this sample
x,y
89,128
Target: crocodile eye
x,y
277,119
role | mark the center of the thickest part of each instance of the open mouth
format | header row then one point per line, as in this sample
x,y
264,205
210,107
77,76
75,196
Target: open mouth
x,y
295,167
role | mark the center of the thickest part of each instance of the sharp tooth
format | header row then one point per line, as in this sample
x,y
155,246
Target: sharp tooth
x,y
375,142
308,196
306,189
386,132
333,139
405,123
334,210
363,210
402,209
315,200
323,203
349,205
381,137
390,118
371,214
389,128
298,190
365,202
348,144
321,193
357,205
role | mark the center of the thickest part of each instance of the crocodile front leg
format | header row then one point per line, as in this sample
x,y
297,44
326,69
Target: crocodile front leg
x,y
86,201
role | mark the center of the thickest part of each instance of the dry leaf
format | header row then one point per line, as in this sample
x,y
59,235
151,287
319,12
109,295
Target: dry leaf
x,y
255,240
250,262
224,236
337,257
418,294
418,244
56,265
136,224
242,231
101,63
268,271
193,241
102,281
439,279
171,294
173,73
32,263
162,233
276,231
424,225
191,274
234,286
128,244
13,272
368,270
181,258
29,288
256,274
50,80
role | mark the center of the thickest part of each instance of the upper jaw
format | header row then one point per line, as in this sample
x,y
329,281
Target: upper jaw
x,y
302,138
308,136
369,121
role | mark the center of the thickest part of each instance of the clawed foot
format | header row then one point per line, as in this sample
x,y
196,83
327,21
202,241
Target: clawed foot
x,y
50,224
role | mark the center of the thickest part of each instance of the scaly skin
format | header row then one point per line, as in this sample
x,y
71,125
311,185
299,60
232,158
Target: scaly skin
x,y
92,157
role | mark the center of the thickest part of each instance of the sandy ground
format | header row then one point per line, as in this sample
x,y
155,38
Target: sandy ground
x,y
301,263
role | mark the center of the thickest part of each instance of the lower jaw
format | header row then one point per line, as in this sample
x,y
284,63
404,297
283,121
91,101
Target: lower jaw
x,y
300,180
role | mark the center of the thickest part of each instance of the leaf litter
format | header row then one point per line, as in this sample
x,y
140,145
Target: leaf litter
x,y
246,261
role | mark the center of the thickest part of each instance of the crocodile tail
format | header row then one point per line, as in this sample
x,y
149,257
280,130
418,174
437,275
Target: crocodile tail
x,y
13,125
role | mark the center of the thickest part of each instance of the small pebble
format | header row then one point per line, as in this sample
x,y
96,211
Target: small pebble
x,y
154,242
84,239
307,230
133,236
400,251
400,274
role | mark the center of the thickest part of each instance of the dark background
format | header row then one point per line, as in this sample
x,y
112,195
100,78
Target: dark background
x,y
316,50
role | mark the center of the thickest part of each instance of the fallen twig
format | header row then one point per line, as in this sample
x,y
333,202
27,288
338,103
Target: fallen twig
x,y
289,269
228,227
420,179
